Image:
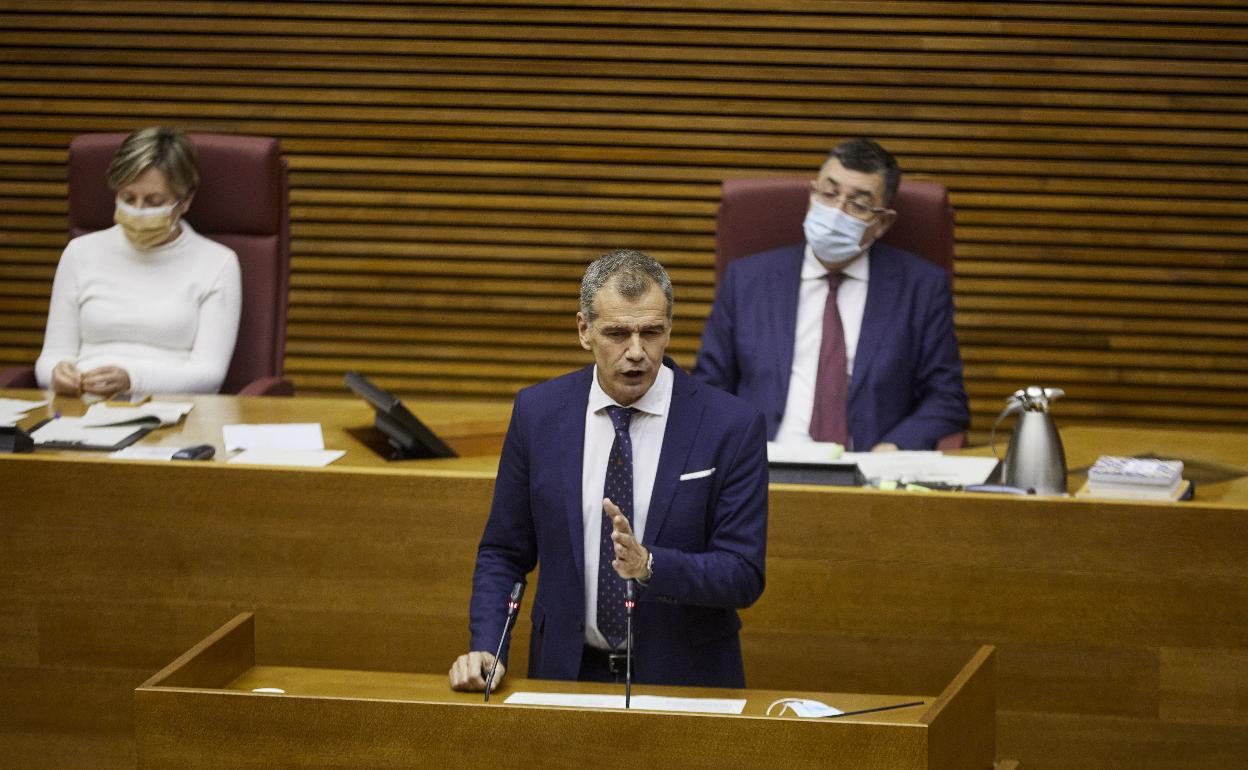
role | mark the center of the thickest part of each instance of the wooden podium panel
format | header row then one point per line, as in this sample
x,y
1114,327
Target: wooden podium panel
x,y
201,711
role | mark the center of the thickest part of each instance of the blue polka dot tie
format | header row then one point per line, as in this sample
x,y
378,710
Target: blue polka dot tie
x,y
612,619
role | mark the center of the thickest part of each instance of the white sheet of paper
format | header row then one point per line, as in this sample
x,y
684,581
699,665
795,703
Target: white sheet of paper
x,y
294,435
804,452
811,709
644,702
138,452
21,404
923,466
13,410
72,429
304,458
168,412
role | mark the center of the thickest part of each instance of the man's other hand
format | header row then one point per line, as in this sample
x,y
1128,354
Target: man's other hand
x,y
469,671
631,558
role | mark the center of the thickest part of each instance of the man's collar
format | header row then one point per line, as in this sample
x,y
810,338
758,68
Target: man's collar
x,y
655,401
859,269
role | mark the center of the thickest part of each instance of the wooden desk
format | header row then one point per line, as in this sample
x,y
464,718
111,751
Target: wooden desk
x,y
202,711
1216,462
474,429
1121,628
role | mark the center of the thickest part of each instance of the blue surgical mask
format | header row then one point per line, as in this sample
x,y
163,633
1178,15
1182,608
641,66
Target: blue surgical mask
x,y
834,235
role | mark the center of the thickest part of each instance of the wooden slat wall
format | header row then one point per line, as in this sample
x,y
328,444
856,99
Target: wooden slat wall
x,y
455,164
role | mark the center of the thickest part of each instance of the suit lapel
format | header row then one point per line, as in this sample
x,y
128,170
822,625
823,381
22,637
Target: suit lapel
x,y
571,433
883,288
788,280
683,420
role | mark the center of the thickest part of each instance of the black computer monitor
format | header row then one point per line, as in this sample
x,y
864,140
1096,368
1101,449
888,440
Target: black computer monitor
x,y
406,435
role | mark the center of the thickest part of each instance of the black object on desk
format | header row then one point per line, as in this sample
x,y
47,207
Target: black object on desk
x,y
197,452
837,474
15,440
408,437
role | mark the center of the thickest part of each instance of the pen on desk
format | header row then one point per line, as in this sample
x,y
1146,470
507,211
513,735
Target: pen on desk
x,y
877,708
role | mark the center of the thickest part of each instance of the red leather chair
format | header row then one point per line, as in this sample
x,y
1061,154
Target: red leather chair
x,y
243,202
762,213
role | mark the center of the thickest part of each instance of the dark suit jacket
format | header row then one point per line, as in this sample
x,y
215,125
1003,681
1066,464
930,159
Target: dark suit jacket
x,y
907,381
708,535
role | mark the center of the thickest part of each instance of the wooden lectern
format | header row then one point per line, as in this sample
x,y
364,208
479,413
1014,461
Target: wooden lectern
x,y
203,710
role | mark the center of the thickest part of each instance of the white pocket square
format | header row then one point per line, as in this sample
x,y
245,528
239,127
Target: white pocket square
x,y
697,474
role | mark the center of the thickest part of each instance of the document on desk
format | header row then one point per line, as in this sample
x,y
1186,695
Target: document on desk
x,y
145,453
158,413
294,435
14,410
919,467
303,458
73,433
644,702
810,452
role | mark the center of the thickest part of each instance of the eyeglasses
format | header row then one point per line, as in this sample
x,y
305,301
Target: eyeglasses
x,y
855,207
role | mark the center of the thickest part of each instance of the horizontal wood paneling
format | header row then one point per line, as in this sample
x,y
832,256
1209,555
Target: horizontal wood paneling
x,y
455,164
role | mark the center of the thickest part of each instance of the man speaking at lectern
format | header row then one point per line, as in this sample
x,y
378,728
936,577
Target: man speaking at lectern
x,y
626,469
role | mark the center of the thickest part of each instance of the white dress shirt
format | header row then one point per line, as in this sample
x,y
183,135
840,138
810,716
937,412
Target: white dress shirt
x,y
851,300
645,429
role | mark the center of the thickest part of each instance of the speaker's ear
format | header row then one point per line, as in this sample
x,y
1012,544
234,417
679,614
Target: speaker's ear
x,y
14,439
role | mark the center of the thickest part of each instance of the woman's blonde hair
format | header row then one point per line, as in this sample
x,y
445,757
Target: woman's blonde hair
x,y
165,148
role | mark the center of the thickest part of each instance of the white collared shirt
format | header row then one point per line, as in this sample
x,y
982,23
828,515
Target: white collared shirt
x,y
851,300
645,429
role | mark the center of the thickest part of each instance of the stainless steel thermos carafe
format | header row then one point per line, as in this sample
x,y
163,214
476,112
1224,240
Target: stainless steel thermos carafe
x,y
1035,459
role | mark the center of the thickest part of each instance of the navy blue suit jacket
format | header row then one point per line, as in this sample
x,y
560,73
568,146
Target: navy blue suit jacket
x,y
907,382
708,534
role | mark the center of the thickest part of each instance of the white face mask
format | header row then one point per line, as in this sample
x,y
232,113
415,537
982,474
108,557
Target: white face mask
x,y
834,235
146,228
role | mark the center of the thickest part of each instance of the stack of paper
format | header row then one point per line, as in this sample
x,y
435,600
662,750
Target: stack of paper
x,y
1135,478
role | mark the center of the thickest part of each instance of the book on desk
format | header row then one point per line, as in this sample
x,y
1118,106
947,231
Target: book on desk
x,y
1135,478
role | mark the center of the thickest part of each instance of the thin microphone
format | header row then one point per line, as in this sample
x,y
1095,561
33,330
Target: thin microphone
x,y
630,600
513,604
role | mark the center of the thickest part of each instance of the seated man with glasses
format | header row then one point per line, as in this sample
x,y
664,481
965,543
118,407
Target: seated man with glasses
x,y
841,338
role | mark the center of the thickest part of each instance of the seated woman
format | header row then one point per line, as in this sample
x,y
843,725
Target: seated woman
x,y
148,305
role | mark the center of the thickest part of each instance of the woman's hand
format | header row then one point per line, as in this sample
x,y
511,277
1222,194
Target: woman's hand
x,y
66,379
106,380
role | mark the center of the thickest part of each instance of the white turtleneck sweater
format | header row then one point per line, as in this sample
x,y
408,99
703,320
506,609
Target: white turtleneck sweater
x,y
168,316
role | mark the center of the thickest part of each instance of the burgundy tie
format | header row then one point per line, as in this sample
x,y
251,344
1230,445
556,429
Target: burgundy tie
x,y
830,419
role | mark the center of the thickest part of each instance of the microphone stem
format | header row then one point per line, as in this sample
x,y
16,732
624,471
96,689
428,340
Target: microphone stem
x,y
489,681
628,645
628,663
